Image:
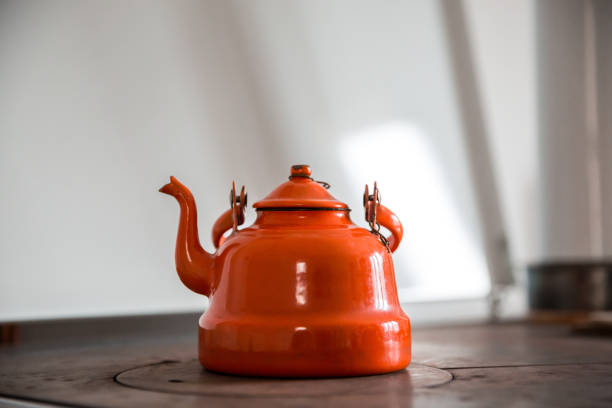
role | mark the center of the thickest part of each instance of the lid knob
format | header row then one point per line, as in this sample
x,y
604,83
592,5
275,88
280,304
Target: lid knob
x,y
301,191
301,170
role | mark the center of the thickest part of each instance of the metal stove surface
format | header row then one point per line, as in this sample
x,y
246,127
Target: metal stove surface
x,y
471,366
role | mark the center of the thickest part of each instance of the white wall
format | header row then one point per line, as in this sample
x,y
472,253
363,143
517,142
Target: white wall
x,y
101,102
602,12
503,37
574,84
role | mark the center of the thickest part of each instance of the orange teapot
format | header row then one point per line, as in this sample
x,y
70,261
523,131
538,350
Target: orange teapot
x,y
303,292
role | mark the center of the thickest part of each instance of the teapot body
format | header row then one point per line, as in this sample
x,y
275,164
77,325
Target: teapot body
x,y
304,293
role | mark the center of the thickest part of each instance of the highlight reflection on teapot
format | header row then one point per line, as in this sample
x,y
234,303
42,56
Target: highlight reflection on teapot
x,y
303,292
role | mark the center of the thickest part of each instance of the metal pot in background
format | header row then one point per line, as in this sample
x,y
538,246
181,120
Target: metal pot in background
x,y
576,286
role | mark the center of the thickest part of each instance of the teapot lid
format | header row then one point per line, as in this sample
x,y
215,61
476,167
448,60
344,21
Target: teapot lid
x,y
301,191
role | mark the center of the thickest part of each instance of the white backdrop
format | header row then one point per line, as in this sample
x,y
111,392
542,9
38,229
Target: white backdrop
x,y
102,101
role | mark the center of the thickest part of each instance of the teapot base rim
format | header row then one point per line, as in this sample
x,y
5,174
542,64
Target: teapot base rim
x,y
349,348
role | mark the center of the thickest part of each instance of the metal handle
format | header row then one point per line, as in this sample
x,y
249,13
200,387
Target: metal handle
x,y
231,218
377,214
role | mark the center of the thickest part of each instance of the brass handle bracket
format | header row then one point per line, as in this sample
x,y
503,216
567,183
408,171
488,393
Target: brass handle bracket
x,y
238,203
371,203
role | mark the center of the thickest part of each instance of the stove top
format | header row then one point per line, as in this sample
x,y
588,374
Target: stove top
x,y
155,364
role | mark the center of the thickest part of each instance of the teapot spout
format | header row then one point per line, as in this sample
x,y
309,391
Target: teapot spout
x,y
194,265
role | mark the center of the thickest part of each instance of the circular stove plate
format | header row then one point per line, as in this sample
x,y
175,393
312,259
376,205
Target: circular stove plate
x,y
188,377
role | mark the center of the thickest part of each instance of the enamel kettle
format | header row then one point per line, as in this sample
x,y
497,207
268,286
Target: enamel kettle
x,y
303,292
